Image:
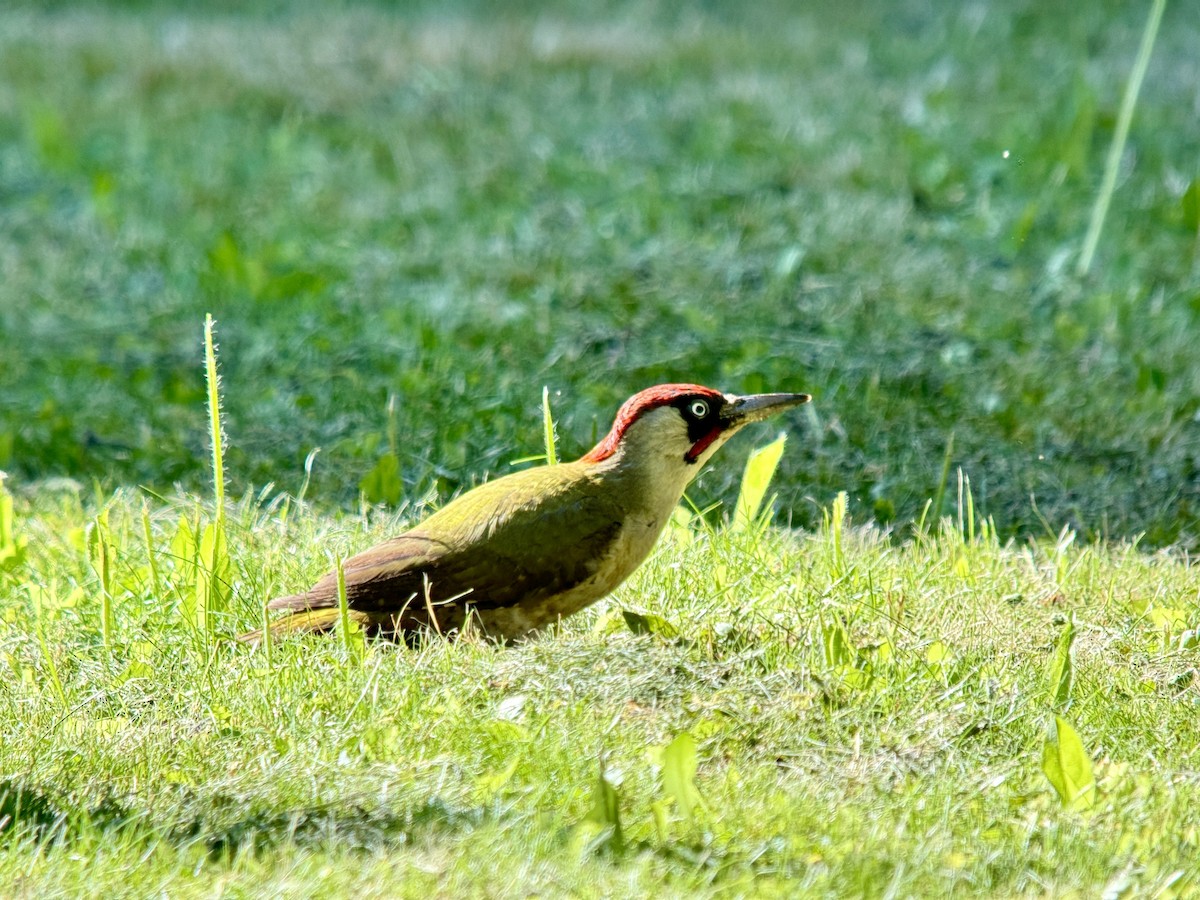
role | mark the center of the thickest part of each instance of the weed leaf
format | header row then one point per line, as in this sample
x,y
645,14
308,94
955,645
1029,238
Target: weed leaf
x,y
12,548
678,760
760,469
1068,767
605,816
383,483
648,623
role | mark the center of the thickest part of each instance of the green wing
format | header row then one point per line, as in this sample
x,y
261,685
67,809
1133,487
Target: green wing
x,y
523,537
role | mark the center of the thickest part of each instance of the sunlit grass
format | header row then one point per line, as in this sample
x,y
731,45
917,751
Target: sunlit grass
x,y
405,225
863,714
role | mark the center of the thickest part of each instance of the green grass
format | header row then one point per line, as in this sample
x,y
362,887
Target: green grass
x,y
866,718
406,223
453,211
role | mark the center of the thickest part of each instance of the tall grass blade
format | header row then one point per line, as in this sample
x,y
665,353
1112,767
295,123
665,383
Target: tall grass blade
x,y
835,523
100,553
943,479
1061,667
1120,134
40,611
156,585
214,569
213,380
548,428
352,635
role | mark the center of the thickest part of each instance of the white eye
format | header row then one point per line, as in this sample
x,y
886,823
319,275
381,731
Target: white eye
x,y
699,409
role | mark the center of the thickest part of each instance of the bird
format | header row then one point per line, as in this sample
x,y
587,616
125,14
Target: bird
x,y
525,550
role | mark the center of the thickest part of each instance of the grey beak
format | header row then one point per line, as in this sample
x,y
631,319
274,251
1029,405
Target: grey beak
x,y
740,411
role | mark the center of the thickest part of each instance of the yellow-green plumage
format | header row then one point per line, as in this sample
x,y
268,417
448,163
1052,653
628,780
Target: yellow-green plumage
x,y
530,548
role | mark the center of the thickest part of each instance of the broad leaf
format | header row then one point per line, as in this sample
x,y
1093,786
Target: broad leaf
x,y
760,469
12,548
649,623
678,760
214,578
383,483
1068,767
1189,204
836,644
606,813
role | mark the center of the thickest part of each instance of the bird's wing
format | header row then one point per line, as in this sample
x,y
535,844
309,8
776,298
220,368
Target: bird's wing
x,y
389,570
530,535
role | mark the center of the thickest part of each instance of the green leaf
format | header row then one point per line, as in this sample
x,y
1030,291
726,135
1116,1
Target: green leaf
x,y
1165,618
184,550
383,483
606,815
353,638
1061,668
648,623
760,469
1068,767
12,548
937,654
183,543
1190,204
835,524
492,782
214,572
100,555
679,527
836,644
678,761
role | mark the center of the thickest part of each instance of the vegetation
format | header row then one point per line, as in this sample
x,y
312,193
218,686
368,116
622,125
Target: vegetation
x,y
405,225
973,664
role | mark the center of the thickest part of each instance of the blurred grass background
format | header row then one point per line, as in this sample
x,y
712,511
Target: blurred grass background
x,y
879,203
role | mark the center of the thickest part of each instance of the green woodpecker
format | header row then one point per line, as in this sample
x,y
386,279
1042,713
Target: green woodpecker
x,y
528,549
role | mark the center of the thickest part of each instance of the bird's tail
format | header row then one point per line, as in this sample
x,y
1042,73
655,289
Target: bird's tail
x,y
308,621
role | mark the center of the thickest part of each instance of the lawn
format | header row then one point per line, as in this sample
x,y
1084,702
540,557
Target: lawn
x,y
406,223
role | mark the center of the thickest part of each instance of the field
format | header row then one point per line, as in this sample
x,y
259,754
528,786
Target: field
x,y
960,655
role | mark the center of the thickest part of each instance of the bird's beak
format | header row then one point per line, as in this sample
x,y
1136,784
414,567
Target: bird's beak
x,y
739,411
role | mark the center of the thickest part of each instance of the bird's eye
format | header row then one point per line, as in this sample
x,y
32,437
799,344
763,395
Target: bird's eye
x,y
699,409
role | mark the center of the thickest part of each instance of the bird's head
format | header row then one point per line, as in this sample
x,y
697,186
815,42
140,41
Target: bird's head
x,y
682,425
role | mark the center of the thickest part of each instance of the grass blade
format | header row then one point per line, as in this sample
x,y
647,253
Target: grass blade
x,y
1061,667
940,496
100,551
1120,134
213,380
548,428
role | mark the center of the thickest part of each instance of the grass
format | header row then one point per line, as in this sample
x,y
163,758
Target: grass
x,y
453,212
866,717
971,667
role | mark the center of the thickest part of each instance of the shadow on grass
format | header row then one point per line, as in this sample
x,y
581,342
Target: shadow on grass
x,y
223,830
351,827
26,809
